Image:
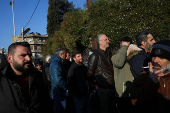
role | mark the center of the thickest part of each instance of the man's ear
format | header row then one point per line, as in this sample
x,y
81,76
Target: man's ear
x,y
60,54
74,58
99,42
9,58
143,43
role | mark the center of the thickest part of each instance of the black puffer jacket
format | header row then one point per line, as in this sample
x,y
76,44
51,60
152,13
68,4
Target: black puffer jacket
x,y
101,67
12,100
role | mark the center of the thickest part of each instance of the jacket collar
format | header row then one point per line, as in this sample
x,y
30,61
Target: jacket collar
x,y
144,53
7,72
56,58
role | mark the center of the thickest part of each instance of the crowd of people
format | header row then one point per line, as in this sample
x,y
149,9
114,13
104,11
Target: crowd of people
x,y
135,79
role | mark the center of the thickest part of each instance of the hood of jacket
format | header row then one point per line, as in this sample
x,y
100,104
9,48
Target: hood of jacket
x,y
132,51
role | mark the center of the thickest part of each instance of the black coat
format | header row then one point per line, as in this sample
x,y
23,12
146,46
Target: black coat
x,y
138,62
12,100
77,80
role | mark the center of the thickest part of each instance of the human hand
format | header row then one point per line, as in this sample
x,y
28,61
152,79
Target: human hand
x,y
154,74
125,43
157,72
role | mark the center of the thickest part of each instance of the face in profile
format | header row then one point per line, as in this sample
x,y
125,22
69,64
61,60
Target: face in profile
x,y
39,67
63,55
104,41
21,59
68,56
150,41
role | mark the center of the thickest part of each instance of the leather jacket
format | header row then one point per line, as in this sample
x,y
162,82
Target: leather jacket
x,y
100,67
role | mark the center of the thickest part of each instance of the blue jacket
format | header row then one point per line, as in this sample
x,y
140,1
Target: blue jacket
x,y
58,77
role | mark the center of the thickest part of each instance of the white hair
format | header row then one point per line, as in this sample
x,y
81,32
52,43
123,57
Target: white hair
x,y
47,58
99,36
59,51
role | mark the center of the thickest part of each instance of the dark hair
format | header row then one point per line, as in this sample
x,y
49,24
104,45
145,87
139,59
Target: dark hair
x,y
67,51
13,46
126,39
75,53
142,36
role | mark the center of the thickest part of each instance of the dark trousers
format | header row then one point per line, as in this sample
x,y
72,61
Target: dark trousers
x,y
82,105
60,104
107,100
70,107
124,104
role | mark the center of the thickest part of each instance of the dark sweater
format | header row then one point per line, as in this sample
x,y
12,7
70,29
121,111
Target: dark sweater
x,y
77,80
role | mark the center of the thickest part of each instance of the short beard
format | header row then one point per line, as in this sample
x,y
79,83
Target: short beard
x,y
148,46
21,68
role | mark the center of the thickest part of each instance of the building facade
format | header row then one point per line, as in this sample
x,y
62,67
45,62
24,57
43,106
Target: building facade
x,y
36,42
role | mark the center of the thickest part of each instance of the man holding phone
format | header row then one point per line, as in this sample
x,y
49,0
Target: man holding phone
x,y
151,89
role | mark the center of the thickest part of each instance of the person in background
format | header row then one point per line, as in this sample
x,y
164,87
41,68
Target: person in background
x,y
69,101
21,86
3,61
151,88
38,64
77,81
123,77
46,73
66,62
145,41
100,69
58,76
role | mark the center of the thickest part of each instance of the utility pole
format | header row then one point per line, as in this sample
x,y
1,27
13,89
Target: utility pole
x,y
12,3
22,34
88,2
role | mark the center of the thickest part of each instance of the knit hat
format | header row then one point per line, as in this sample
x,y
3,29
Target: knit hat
x,y
161,49
37,62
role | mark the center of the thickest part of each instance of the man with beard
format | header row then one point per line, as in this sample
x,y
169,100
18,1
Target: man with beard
x,y
151,88
77,81
138,63
21,86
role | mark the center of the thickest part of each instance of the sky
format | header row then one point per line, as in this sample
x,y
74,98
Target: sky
x,y
23,10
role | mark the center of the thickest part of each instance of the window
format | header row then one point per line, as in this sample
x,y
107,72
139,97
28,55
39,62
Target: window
x,y
35,47
30,40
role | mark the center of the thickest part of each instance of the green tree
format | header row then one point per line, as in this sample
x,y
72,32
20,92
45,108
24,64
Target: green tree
x,y
116,19
56,11
74,30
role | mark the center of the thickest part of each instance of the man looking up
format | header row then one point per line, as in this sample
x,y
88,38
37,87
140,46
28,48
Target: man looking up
x,y
100,69
77,81
138,63
21,86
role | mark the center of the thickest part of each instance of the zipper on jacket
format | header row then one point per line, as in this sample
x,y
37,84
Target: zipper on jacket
x,y
164,82
20,96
